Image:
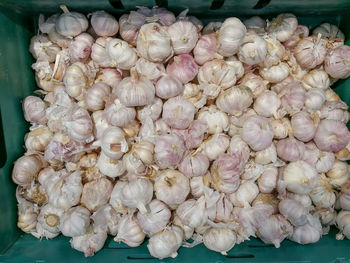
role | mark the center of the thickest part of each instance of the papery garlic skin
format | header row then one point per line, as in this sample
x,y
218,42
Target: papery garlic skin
x,y
100,123
267,181
283,26
27,168
216,120
267,104
335,110
96,193
294,211
152,110
194,165
75,80
34,110
121,53
140,156
96,96
245,194
183,35
129,231
178,112
106,219
337,62
27,215
169,150
171,187
235,100
230,36
165,244
104,24
252,50
113,143
75,221
310,52
219,239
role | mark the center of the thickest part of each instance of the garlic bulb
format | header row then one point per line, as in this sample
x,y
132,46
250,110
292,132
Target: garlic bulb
x,y
235,100
152,110
335,110
109,167
165,244
171,187
245,194
154,43
293,97
275,52
193,212
26,169
230,36
314,99
310,52
119,115
342,220
75,80
211,27
135,90
344,197
115,199
336,63
267,181
224,209
194,164
79,125
276,73
104,24
121,53
308,233
316,78
327,216
257,132
113,143
274,230
75,221
294,211
49,220
137,193
290,149
331,135
90,242
215,145
300,33
27,215
300,177
283,26
198,183
281,127
140,155
255,83
109,76
168,87
100,123
216,120
252,50
255,23
205,49
267,104
323,195
155,219
59,39
34,110
80,48
150,70
71,24
96,193
43,49
130,25
178,112
106,219
169,150
266,156
129,231
329,31
96,96
252,171
338,174
183,67
219,239
183,35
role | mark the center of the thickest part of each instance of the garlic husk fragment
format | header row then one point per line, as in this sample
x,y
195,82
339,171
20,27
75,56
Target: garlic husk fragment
x,y
106,219
150,70
300,33
283,26
43,49
269,155
75,221
165,244
96,193
26,169
109,167
294,211
219,239
224,209
109,76
198,184
281,127
129,231
188,231
311,232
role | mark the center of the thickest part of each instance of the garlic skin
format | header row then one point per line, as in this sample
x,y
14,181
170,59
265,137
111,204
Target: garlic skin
x,y
283,26
119,115
216,120
109,76
331,135
75,221
104,24
257,132
106,219
314,99
130,25
269,155
323,195
137,193
300,177
156,219
96,96
129,231
316,78
338,174
215,145
267,181
294,211
267,104
115,199
205,49
121,53
154,43
336,63
183,35
252,50
43,49
113,143
90,242
80,48
168,150
168,86
165,244
230,36
275,230
34,110
194,164
308,233
135,90
70,24
245,194
290,149
171,187
96,193
342,222
219,239
49,220
178,112
27,168
310,52
235,100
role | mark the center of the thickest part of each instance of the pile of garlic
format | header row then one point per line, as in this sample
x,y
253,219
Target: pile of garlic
x,y
173,131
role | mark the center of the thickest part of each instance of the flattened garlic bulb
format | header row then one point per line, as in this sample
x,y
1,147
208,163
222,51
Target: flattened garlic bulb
x,y
219,239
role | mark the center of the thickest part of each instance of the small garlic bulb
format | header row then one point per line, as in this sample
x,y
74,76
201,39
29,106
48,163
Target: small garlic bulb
x,y
276,73
323,195
37,139
205,49
283,26
156,219
230,36
96,96
119,115
129,231
106,219
75,80
135,90
80,48
171,187
26,169
104,24
338,174
121,53
140,155
34,110
75,221
281,127
90,242
343,223
49,220
109,76
113,143
216,120
169,150
165,244
300,177
194,164
267,104
252,50
290,149
109,167
79,125
308,233
314,99
137,193
337,62
183,67
154,43
266,156
178,112
71,24
344,196
316,78
219,239
168,86
294,211
150,70
267,181
245,194
235,100
183,35
96,193
215,145
310,52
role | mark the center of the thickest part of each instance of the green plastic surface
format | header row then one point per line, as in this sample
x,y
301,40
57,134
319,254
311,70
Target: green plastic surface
x,y
17,25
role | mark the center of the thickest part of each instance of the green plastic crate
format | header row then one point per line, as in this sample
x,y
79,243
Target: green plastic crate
x,y
18,24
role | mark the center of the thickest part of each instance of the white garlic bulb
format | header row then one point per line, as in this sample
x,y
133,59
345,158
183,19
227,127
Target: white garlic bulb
x,y
294,211
75,221
75,80
314,99
194,164
329,31
96,96
26,169
255,83
266,156
80,48
245,194
343,223
34,110
219,239
235,100
183,35
310,52
38,139
323,195
129,231
96,193
188,231
150,70
106,219
168,150
276,73
193,212
49,219
168,86
252,50
178,112
316,79
104,24
308,233
113,143
267,181
216,120
215,145
338,174
344,196
139,157
119,115
79,125
109,167
27,215
281,127
71,24
109,76
121,53
283,26
198,183
267,104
